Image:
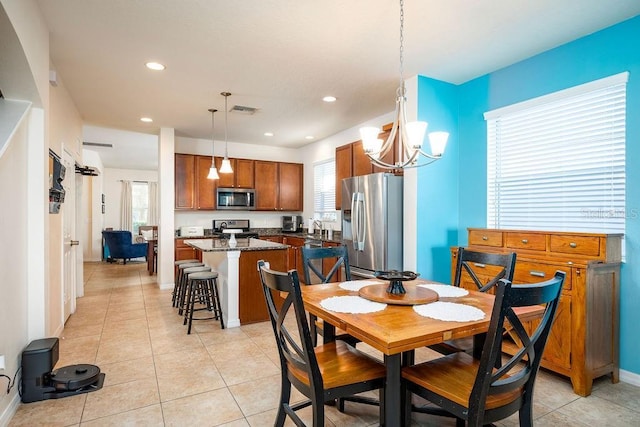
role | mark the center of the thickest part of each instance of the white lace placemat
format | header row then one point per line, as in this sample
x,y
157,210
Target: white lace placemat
x,y
351,304
446,291
449,311
355,285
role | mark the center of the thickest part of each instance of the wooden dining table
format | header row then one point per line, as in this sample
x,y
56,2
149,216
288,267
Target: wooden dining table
x,y
398,330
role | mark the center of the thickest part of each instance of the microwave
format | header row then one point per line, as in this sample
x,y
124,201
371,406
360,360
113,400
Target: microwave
x,y
240,199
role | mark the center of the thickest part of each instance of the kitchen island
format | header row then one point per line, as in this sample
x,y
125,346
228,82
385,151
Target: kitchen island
x,y
239,284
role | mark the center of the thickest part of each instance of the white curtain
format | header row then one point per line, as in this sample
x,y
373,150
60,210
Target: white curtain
x,y
126,202
153,204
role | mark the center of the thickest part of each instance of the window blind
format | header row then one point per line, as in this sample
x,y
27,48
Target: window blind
x,y
558,163
324,190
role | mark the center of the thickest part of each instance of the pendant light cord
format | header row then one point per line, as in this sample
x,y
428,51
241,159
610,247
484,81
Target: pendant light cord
x,y
402,46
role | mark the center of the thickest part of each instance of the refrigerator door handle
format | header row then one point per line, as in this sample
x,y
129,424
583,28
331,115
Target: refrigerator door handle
x,y
354,222
360,221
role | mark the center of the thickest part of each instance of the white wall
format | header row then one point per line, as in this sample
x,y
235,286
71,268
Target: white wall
x,y
13,258
326,149
92,218
112,186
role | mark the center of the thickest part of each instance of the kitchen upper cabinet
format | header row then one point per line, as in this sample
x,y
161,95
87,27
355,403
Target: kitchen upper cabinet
x,y
344,169
205,197
266,185
242,176
351,160
185,166
278,186
290,186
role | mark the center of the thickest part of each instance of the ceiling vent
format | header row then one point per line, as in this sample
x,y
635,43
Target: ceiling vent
x,y
242,109
97,144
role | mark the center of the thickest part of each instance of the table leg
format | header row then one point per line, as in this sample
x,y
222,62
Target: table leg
x,y
150,257
392,392
328,333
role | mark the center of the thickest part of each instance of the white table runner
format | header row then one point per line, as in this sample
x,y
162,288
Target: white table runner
x,y
449,311
351,304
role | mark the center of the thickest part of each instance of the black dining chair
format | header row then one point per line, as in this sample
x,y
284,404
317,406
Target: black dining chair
x,y
315,262
322,373
484,270
475,391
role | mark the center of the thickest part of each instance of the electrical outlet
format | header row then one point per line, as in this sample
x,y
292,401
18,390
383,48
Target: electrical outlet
x,y
1,362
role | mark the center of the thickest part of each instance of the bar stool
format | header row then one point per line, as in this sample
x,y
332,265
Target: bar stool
x,y
184,285
175,277
203,287
181,283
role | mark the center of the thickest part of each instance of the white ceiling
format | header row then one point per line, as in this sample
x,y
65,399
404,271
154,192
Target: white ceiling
x,y
283,56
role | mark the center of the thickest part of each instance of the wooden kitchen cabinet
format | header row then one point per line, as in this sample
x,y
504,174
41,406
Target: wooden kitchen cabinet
x,y
584,339
278,186
344,169
252,306
351,160
184,251
295,254
205,195
242,176
185,178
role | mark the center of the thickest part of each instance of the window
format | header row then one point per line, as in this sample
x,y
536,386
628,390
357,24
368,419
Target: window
x,y
139,204
324,191
558,162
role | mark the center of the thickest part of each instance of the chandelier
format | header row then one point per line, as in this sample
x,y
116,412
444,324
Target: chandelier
x,y
225,167
410,135
213,171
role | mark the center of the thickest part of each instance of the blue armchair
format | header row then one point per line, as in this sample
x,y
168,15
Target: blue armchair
x,y
121,247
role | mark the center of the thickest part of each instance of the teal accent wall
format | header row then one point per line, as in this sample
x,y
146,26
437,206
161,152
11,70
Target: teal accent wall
x,y
437,189
602,54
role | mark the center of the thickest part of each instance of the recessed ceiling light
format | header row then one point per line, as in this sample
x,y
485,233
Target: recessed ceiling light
x,y
268,134
329,98
146,119
156,66
308,137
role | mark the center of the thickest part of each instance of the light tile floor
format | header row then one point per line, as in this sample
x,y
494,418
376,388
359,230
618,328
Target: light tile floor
x,y
157,375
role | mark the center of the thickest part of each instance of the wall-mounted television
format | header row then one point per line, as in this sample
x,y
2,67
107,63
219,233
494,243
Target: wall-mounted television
x,y
56,176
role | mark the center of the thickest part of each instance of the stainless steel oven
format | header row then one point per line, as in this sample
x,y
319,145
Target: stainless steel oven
x,y
239,199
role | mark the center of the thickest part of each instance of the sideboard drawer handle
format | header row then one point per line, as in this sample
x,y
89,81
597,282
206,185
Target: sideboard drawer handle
x,y
477,264
537,273
485,238
573,244
525,241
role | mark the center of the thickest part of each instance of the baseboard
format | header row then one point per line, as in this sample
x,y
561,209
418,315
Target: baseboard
x,y
10,410
630,378
165,286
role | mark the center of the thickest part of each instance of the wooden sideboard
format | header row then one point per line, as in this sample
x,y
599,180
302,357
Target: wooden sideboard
x,y
584,340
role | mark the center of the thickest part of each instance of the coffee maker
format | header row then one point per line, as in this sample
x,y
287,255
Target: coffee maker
x,y
292,223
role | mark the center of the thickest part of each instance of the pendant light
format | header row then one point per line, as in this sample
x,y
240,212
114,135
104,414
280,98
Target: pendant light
x,y
225,167
410,135
213,172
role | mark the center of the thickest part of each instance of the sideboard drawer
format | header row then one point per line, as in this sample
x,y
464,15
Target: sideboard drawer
x,y
533,272
531,241
485,238
580,245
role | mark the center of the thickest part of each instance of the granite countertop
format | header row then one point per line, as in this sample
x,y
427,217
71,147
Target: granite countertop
x,y
336,238
222,245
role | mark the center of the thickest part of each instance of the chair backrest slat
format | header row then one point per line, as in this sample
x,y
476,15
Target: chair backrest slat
x,y
468,259
520,370
311,254
296,349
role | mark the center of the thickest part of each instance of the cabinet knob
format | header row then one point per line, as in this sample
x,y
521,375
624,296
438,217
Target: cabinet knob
x,y
573,244
525,241
485,238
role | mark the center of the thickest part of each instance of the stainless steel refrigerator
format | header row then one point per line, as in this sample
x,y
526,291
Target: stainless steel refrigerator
x,y
372,223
